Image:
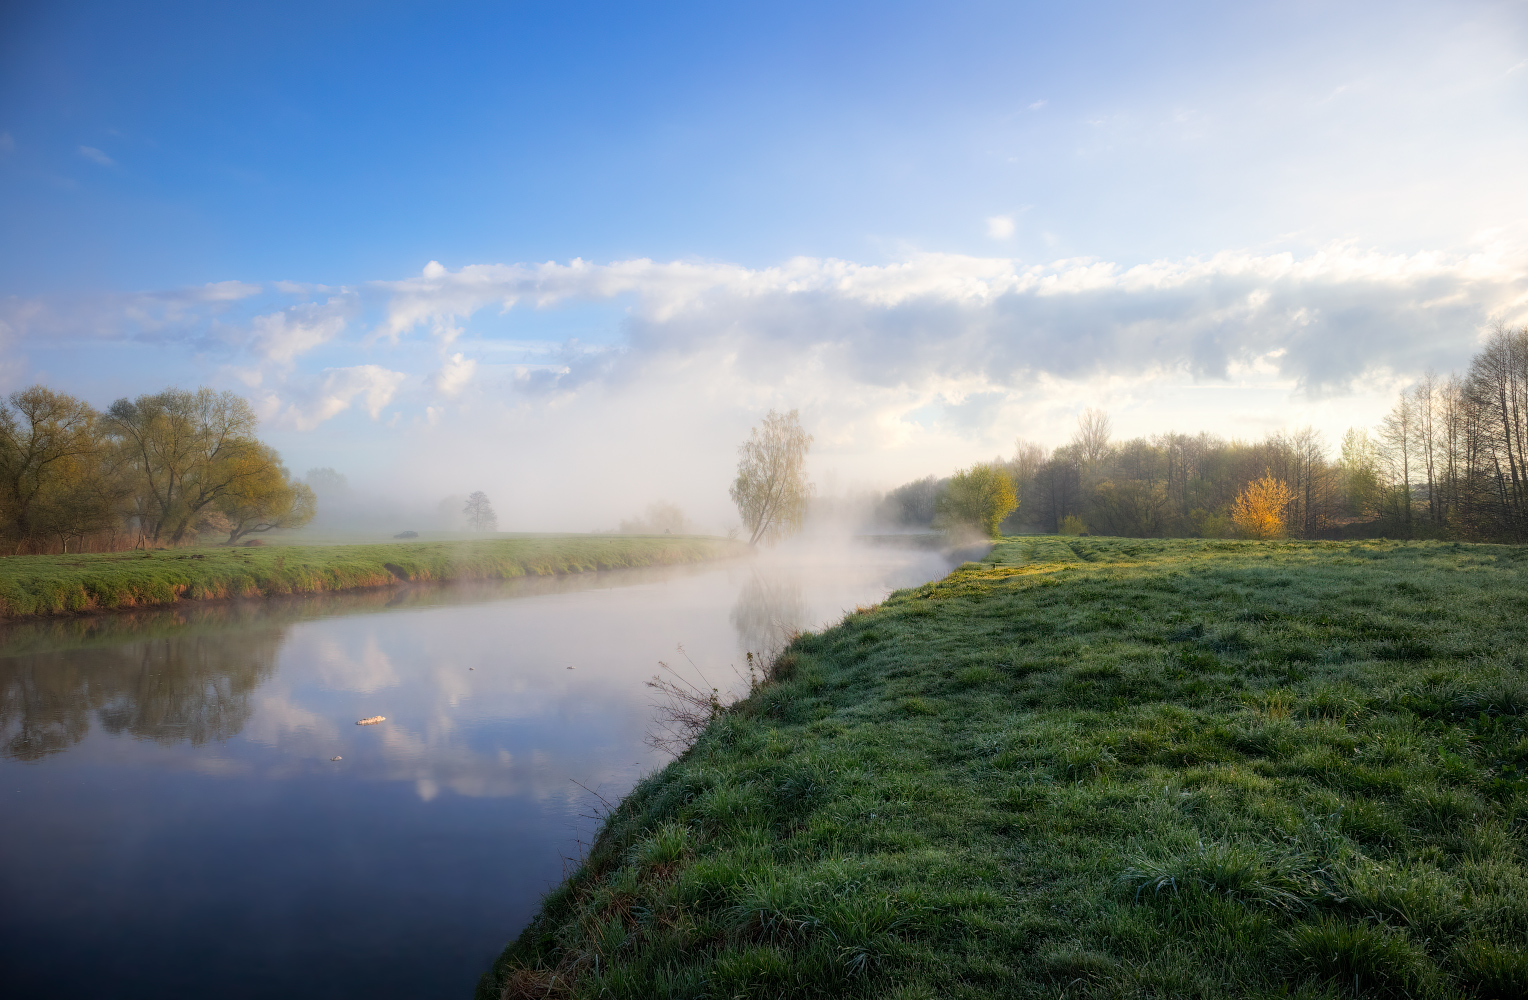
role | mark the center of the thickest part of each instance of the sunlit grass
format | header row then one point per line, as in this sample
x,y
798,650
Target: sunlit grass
x,y
42,585
1102,767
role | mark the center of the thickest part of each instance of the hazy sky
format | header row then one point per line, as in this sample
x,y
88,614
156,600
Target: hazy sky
x,y
568,253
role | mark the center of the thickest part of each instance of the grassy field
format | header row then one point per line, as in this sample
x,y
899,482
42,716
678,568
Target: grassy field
x,y
1093,767
49,585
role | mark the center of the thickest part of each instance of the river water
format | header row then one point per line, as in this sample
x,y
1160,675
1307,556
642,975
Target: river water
x,y
190,809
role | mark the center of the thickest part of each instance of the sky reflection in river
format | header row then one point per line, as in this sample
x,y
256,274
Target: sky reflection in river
x,y
176,818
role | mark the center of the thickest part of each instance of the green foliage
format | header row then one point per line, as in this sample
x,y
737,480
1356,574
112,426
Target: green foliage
x,y
1099,767
977,498
1072,525
48,585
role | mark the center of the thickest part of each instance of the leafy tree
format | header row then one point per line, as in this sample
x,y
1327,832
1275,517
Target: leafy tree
x,y
912,504
771,490
1129,507
187,451
978,497
479,512
83,496
264,497
1259,510
44,436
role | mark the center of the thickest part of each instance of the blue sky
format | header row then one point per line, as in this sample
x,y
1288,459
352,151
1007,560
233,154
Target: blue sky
x,y
932,227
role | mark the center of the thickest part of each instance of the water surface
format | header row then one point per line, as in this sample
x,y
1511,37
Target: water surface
x,y
175,824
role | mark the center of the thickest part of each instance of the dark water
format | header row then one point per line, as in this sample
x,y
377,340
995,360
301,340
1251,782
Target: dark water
x,y
173,824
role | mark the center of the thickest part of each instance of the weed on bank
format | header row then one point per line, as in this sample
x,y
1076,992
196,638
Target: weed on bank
x,y
1096,767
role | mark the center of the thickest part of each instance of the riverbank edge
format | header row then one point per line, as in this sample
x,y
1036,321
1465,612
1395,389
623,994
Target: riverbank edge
x,y
43,586
645,859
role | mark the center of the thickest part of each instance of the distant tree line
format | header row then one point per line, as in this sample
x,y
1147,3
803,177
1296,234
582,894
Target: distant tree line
x,y
154,471
1449,461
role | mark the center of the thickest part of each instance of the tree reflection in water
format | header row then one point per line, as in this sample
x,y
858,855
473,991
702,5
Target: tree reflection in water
x,y
185,673
189,688
769,610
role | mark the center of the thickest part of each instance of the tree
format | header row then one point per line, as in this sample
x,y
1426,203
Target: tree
x,y
771,490
662,518
1259,510
263,498
978,497
913,504
44,435
1091,441
1400,438
479,512
1360,470
187,451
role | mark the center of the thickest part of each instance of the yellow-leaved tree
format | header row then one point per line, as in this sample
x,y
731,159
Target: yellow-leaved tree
x,y
1259,511
978,497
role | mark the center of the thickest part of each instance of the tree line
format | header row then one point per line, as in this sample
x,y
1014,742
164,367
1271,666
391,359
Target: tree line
x,y
158,470
1449,461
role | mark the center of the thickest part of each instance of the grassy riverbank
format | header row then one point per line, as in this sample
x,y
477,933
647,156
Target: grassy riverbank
x,y
1094,767
49,585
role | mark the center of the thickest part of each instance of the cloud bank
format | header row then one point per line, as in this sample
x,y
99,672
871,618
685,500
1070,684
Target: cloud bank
x,y
901,368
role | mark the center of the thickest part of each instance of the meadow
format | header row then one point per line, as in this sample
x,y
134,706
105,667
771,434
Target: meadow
x,y
1093,768
32,585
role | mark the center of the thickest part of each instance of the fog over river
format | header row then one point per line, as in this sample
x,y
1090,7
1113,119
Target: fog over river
x,y
175,824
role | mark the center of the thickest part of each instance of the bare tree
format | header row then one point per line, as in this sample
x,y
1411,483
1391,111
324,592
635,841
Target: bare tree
x,y
1400,440
771,490
479,512
1092,438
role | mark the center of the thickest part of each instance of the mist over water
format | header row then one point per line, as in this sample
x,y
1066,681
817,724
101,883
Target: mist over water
x,y
176,824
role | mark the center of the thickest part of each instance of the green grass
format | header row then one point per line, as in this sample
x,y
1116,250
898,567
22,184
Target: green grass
x,y
1093,767
50,585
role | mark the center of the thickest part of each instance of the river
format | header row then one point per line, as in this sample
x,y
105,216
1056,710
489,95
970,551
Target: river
x,y
190,808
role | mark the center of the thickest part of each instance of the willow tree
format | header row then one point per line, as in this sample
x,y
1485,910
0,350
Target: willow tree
x,y
263,497
187,451
771,490
48,441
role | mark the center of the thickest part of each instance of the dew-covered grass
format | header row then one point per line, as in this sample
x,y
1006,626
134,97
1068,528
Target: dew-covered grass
x,y
1093,767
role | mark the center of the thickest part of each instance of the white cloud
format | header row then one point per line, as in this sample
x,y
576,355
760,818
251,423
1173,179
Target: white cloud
x,y
1000,227
96,156
284,335
901,369
1335,314
455,374
335,391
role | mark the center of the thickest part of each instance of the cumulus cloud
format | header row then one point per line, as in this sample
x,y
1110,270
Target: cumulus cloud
x,y
96,156
1000,227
